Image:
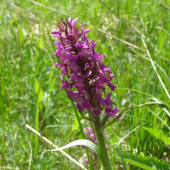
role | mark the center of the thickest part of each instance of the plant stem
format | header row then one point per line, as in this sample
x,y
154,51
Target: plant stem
x,y
101,145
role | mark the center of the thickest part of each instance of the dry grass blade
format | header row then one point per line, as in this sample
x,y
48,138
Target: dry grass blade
x,y
125,42
150,103
155,69
30,155
51,144
36,3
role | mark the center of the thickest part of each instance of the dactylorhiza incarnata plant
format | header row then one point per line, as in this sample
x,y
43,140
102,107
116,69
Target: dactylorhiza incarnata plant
x,y
84,78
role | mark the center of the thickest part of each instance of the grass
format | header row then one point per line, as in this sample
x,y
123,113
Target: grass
x,y
29,82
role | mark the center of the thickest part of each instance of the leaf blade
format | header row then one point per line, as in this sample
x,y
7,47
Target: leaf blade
x,y
81,142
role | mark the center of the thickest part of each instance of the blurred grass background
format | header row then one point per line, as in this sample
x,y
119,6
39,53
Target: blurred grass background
x,y
29,82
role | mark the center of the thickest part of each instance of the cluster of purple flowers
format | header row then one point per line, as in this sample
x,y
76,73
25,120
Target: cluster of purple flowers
x,y
87,76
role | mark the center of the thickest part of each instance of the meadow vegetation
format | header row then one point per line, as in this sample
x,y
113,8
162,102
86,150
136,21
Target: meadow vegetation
x,y
134,35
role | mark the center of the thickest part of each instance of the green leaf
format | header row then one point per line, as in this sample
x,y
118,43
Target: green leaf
x,y
52,84
81,142
50,37
144,162
1,131
20,36
40,95
166,111
36,86
127,134
159,135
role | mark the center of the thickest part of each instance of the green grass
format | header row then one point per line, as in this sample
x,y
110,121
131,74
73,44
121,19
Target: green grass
x,y
29,82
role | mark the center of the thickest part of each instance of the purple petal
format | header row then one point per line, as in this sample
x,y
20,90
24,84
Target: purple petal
x,y
75,77
86,31
116,110
73,94
106,70
108,96
107,147
74,69
102,101
74,21
63,68
96,111
83,31
111,111
101,56
101,65
85,104
121,117
108,102
80,87
65,84
92,44
112,86
55,32
89,129
80,106
98,94
86,160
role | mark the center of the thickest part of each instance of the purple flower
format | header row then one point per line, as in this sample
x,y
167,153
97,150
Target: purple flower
x,y
65,84
106,100
81,104
111,111
74,69
108,106
63,68
83,31
96,111
86,160
81,87
91,136
87,76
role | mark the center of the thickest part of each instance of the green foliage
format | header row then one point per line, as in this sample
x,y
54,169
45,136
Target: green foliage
x,y
144,162
29,82
159,135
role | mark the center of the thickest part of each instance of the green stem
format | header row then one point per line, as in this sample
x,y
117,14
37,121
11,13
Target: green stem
x,y
101,145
